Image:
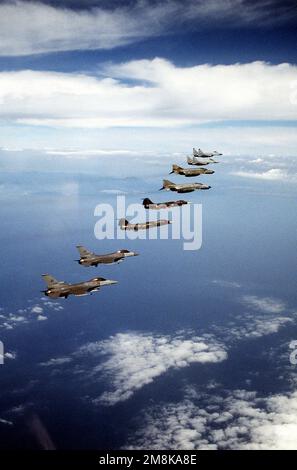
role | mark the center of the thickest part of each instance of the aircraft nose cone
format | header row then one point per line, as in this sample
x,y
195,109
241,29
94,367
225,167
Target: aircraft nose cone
x,y
107,282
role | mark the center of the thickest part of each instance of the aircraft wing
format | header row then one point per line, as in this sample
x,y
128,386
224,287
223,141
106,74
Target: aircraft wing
x,y
51,281
82,288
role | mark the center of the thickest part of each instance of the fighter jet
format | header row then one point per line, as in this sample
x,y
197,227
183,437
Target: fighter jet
x,y
148,204
202,154
88,258
125,224
197,162
57,289
190,172
183,188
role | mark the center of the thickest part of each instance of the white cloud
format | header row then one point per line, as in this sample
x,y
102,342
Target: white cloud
x,y
20,409
247,141
11,320
274,174
227,284
126,362
113,191
267,317
52,305
134,360
10,355
41,318
256,327
17,318
129,361
205,92
33,27
239,420
170,97
81,154
37,309
6,422
27,314
56,361
264,304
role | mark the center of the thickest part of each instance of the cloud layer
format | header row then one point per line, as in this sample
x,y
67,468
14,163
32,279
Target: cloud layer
x,y
126,362
134,360
157,94
28,314
274,174
263,316
36,27
264,304
32,28
232,420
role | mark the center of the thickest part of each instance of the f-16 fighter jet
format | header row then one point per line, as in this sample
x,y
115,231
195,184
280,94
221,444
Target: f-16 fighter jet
x,y
202,162
148,204
183,188
57,289
202,154
189,171
125,224
87,258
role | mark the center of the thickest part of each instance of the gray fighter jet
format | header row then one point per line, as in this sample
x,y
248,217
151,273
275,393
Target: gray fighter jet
x,y
188,172
88,258
202,154
56,289
148,204
125,224
183,188
202,162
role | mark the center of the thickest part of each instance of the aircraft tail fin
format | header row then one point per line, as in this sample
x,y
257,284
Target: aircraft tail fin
x,y
167,183
84,253
123,223
147,201
175,168
49,280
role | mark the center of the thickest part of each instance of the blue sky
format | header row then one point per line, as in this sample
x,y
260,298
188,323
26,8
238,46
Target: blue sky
x,y
122,73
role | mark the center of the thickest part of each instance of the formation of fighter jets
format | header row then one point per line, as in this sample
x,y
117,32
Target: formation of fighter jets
x,y
56,289
199,158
